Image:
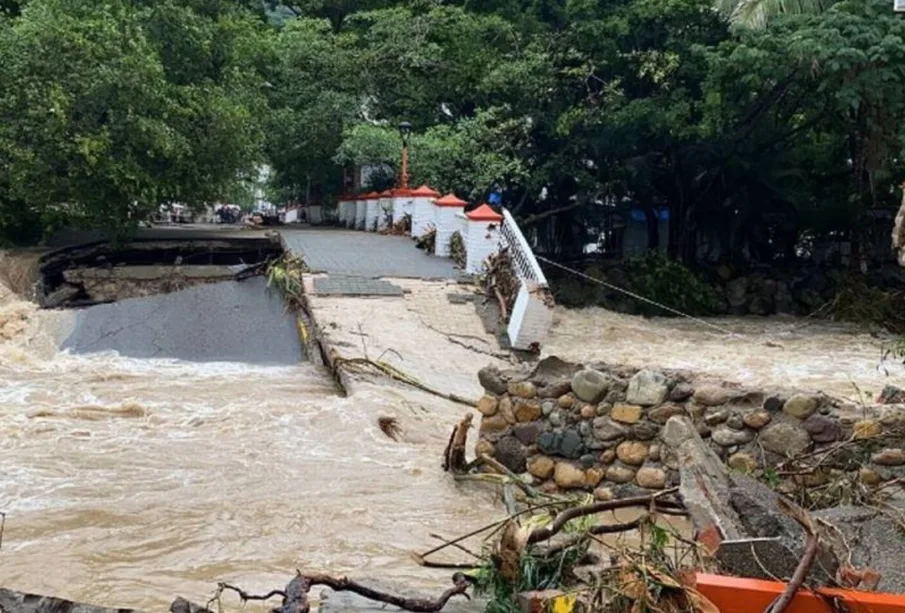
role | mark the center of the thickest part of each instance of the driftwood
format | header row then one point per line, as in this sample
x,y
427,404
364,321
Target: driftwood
x,y
559,522
454,455
397,375
295,595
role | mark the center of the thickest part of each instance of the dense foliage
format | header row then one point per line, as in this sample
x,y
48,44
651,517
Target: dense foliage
x,y
762,127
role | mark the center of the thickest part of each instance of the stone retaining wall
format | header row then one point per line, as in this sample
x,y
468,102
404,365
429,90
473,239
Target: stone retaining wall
x,y
597,427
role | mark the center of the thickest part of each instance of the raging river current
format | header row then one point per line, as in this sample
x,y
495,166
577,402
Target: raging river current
x,y
129,481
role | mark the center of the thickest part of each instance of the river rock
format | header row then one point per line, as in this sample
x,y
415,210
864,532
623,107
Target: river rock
x,y
487,405
568,476
504,410
724,436
784,439
510,453
603,493
822,429
757,419
735,422
491,380
869,476
889,457
547,407
606,429
654,453
483,447
588,411
714,417
801,406
566,401
662,413
590,385
522,389
651,478
619,474
737,293
632,452
626,413
541,466
647,388
528,433
742,462
773,404
645,430
608,456
584,428
555,390
713,395
492,424
593,476
681,392
556,418
527,411
891,394
571,445
604,408
866,428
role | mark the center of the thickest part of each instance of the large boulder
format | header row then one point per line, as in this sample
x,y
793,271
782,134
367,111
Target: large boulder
x,y
647,388
510,453
785,439
591,385
491,379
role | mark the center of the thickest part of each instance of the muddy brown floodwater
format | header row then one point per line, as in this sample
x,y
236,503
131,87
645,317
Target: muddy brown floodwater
x,y
127,482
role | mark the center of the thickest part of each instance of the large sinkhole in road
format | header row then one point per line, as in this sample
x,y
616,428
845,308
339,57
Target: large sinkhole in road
x,y
175,298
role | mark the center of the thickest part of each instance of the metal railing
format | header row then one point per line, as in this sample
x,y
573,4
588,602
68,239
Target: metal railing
x,y
526,266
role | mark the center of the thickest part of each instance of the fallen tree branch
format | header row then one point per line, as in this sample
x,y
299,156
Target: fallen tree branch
x,y
560,521
295,595
296,600
397,375
454,455
245,596
807,559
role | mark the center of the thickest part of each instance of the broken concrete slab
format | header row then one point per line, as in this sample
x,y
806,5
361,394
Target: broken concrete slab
x,y
758,508
876,540
704,484
219,322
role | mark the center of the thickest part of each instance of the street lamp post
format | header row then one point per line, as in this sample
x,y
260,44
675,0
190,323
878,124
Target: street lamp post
x,y
405,130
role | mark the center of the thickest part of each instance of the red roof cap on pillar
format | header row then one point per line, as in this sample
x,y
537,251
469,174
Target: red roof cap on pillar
x,y
370,196
385,193
484,213
401,192
450,200
425,191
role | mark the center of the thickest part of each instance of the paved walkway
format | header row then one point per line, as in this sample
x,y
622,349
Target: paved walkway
x,y
365,254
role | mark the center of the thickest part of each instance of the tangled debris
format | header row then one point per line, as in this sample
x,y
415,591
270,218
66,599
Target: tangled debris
x,y
403,227
428,241
457,249
501,282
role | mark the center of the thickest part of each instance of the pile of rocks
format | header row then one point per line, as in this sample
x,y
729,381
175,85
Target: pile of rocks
x,y
599,427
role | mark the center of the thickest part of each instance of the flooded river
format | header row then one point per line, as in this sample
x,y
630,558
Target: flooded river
x,y
127,482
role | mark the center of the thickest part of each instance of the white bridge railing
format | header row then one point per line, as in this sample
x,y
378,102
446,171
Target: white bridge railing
x,y
532,315
526,266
